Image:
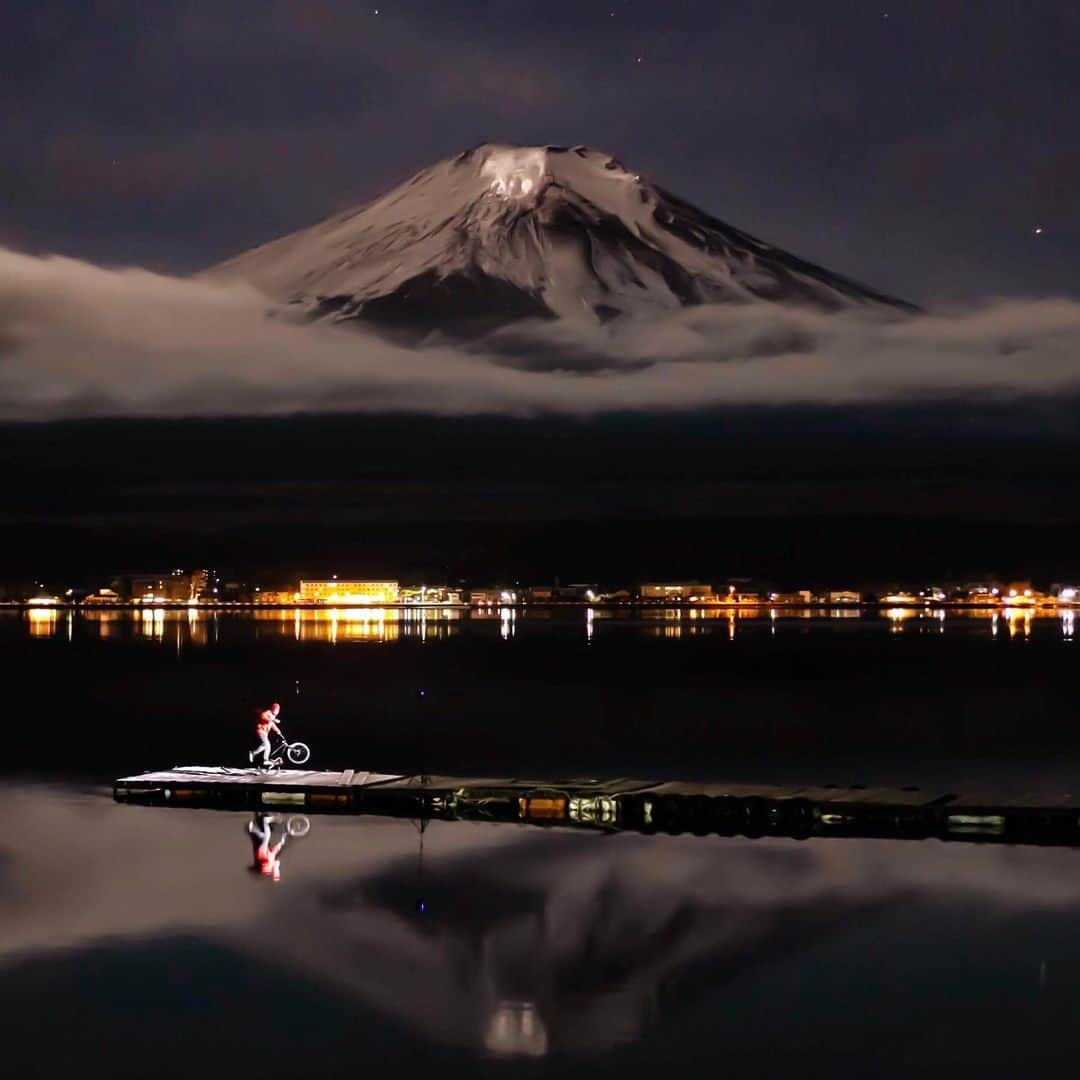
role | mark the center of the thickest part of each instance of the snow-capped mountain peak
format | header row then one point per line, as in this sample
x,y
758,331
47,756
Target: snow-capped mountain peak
x,y
502,232
516,173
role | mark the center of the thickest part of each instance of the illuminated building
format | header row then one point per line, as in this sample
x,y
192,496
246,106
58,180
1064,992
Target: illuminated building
x,y
690,591
275,596
742,593
349,592
1020,594
103,596
844,596
43,599
495,596
559,594
801,597
430,594
743,598
981,595
173,587
930,594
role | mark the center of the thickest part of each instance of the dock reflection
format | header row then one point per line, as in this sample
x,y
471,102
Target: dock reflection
x,y
513,943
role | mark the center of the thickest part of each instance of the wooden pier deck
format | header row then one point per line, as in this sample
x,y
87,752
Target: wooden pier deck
x,y
624,804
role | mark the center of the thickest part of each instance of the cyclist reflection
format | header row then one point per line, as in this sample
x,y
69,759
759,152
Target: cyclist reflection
x,y
265,852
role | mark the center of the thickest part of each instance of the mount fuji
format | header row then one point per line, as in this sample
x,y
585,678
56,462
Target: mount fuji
x,y
501,233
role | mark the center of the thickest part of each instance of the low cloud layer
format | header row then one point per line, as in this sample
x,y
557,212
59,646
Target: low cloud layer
x,y
77,340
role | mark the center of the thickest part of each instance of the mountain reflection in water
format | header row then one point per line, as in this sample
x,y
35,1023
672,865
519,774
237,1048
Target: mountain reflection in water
x,y
498,940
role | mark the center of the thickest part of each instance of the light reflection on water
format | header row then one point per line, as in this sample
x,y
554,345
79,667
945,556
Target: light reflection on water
x,y
41,622
516,942
202,627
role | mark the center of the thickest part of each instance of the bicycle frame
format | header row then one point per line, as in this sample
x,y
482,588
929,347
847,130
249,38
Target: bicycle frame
x,y
280,753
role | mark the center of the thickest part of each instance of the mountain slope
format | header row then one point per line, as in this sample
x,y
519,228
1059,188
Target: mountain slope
x,y
500,233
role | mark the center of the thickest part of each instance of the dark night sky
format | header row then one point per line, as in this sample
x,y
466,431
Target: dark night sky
x,y
915,145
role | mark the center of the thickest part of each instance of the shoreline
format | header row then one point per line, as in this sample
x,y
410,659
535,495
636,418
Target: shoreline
x,y
610,605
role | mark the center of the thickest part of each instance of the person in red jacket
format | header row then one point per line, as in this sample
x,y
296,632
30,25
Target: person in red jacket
x,y
265,855
266,723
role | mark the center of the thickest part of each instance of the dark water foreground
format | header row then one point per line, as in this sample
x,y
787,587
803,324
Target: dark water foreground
x,y
145,937
141,941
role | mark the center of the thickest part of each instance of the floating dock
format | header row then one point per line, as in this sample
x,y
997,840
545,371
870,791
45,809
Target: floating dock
x,y
623,805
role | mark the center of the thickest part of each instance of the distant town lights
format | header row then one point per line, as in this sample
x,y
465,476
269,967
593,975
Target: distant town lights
x,y
194,589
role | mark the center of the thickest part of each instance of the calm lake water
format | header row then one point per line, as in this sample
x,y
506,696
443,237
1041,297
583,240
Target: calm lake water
x,y
137,941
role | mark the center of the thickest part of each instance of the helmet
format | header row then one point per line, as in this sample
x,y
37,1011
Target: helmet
x,y
275,708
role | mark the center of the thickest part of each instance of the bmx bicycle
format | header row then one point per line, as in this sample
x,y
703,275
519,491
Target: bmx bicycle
x,y
295,825
296,753
298,825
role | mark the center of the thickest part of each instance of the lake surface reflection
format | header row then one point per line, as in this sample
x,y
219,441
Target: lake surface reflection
x,y
470,947
140,941
181,626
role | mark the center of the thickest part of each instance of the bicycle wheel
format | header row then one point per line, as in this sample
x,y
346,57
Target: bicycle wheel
x,y
298,825
298,753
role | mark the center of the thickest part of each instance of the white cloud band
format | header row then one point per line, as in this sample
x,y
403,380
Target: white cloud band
x,y
78,340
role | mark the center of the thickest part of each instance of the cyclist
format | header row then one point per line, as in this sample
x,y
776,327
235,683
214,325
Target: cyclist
x,y
265,855
266,723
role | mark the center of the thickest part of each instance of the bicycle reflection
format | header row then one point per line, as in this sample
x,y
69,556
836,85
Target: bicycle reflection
x,y
265,850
